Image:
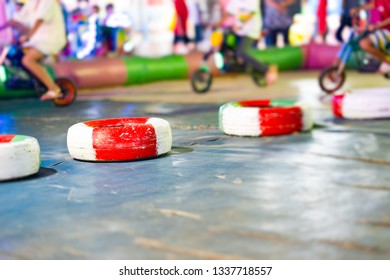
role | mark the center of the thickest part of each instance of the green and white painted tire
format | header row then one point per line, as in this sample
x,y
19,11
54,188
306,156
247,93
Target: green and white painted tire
x,y
265,117
19,156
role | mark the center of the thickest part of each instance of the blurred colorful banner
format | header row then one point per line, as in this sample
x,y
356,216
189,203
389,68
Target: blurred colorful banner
x,y
5,35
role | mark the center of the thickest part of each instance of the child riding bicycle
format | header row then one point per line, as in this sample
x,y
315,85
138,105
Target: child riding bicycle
x,y
45,36
372,40
247,27
378,42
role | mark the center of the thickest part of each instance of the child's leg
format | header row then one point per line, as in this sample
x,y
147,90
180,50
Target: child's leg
x,y
271,37
285,32
244,51
31,61
372,45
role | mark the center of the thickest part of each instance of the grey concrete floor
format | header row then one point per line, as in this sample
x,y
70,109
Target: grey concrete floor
x,y
324,194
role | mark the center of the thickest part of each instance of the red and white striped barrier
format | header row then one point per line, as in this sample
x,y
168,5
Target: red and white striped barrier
x,y
372,103
264,117
121,139
19,156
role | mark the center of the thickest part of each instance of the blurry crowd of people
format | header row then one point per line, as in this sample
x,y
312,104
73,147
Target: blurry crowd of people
x,y
93,30
47,27
276,16
88,33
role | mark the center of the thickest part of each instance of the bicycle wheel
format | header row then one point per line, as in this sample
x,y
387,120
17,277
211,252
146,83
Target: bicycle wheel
x,y
201,81
330,81
69,91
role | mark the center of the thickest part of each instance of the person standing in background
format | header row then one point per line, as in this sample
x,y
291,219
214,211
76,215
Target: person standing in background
x,y
346,18
277,20
82,10
195,11
77,21
214,12
92,37
322,13
109,14
181,23
108,35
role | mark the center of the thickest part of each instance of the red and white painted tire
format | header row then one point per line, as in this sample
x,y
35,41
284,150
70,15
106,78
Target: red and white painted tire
x,y
121,139
19,156
264,117
373,103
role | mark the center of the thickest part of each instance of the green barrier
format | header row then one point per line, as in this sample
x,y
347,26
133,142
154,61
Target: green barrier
x,y
288,58
4,93
143,70
11,93
135,67
2,89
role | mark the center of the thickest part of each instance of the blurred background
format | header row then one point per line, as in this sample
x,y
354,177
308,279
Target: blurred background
x,y
148,28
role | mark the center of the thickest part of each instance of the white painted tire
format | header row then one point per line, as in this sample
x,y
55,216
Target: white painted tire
x,y
264,117
373,103
121,139
19,156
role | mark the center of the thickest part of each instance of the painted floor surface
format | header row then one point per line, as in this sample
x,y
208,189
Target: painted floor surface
x,y
324,194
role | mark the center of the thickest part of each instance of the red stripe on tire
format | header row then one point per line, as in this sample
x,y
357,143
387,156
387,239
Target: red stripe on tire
x,y
337,104
279,121
280,129
255,103
6,138
123,139
116,122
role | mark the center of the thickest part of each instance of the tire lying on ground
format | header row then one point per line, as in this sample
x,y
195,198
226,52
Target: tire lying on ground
x,y
264,117
19,156
120,139
372,103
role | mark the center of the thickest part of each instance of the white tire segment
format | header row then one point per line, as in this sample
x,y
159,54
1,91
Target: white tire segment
x,y
19,156
363,104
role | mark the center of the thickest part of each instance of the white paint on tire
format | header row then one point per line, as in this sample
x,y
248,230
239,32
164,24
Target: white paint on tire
x,y
19,159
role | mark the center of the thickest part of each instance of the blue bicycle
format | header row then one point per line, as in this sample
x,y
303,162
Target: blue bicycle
x,y
333,78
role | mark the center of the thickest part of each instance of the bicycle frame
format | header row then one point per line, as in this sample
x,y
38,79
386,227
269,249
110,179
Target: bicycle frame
x,y
350,47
